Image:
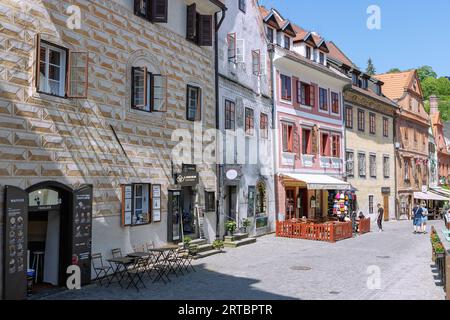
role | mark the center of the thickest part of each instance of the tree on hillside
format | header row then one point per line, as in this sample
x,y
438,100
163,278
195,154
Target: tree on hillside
x,y
370,70
426,72
394,70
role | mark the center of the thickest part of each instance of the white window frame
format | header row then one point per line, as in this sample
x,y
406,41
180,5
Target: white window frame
x,y
145,208
62,69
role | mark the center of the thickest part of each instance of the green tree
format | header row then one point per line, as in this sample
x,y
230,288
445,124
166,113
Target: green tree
x,y
426,72
394,70
370,70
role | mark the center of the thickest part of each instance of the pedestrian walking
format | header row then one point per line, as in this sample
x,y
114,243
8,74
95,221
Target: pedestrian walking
x,y
380,217
417,218
424,217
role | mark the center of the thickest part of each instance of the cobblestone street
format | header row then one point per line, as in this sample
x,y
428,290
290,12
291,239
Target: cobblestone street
x,y
276,268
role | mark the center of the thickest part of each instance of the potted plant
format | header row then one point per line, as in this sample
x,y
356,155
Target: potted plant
x,y
230,227
218,245
246,223
187,242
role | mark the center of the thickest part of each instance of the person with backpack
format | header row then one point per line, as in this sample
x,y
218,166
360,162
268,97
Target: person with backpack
x,y
424,217
417,218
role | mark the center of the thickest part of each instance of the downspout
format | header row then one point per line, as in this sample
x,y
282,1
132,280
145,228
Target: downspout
x,y
397,203
271,50
219,167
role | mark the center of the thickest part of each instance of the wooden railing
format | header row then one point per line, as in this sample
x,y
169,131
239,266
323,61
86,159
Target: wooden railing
x,y
328,232
364,226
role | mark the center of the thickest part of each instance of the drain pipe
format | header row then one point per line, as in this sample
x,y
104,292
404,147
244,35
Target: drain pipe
x,y
219,167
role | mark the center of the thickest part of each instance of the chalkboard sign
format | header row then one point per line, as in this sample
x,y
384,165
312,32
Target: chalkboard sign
x,y
82,232
15,244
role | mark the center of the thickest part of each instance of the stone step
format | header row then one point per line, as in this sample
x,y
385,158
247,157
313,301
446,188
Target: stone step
x,y
205,254
239,243
204,247
236,237
197,242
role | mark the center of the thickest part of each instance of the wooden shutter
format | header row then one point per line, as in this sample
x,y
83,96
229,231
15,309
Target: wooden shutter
x,y
159,11
133,87
38,60
191,22
198,113
77,75
295,141
127,205
159,93
205,30
312,95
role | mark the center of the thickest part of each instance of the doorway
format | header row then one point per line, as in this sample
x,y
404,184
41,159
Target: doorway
x,y
174,217
290,203
188,213
232,203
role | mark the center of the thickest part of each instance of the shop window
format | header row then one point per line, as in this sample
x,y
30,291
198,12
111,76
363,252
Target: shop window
x,y
350,163
249,121
371,204
152,10
373,166
288,137
148,90
264,126
136,209
362,165
286,87
210,201
193,103
61,72
199,27
334,103
323,99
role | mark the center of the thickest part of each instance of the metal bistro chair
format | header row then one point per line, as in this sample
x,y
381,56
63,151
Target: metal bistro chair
x,y
134,274
186,259
101,271
116,253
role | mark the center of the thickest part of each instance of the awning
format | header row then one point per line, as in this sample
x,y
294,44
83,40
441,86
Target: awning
x,y
442,191
429,196
319,181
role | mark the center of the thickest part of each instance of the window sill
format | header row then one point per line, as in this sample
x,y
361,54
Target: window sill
x,y
39,93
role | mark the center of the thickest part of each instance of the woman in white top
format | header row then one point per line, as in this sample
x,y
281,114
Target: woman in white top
x,y
424,217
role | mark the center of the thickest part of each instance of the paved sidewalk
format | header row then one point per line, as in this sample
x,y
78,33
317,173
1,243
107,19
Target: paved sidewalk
x,y
277,268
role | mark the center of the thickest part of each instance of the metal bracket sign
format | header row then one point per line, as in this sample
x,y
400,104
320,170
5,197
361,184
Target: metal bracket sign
x,y
15,244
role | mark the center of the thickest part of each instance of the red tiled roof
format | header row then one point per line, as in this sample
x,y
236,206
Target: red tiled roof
x,y
395,84
337,54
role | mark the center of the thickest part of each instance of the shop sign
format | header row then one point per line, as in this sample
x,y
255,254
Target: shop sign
x,y
188,179
232,174
386,190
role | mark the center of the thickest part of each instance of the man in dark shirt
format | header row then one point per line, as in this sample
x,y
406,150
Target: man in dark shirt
x,y
380,217
417,211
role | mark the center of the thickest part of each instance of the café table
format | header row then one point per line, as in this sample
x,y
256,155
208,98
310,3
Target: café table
x,y
120,267
144,262
162,260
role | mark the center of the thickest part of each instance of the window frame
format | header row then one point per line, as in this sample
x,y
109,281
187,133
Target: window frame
x,y
287,42
361,174
210,201
347,159
232,46
373,165
230,115
386,167
306,143
371,204
335,145
325,148
385,127
323,100
372,123
256,56
338,104
198,111
283,81
264,125
287,141
249,121
361,120
349,117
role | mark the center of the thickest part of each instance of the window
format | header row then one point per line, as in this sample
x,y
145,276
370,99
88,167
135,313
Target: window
x,y
365,83
148,90
270,35
288,137
242,5
308,52
231,40
336,146
378,89
230,118
362,165
371,198
322,58
136,209
249,121
305,94
286,87
261,198
350,163
325,144
152,10
199,27
372,123
264,126
385,127
210,201
373,166
323,99
287,42
193,103
334,102
256,62
355,79
406,170
386,167
306,141
52,74
349,117
361,120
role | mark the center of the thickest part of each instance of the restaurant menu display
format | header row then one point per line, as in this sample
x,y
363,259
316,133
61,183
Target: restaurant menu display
x,y
156,203
15,239
127,204
82,232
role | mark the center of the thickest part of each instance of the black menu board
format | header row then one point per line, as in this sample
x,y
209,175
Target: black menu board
x,y
15,244
82,232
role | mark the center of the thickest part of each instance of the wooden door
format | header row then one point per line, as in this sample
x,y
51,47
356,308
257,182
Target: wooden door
x,y
386,208
290,204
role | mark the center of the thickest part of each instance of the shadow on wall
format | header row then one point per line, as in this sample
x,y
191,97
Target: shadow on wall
x,y
201,285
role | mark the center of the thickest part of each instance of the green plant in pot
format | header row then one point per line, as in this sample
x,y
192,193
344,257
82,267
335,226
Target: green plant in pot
x,y
218,245
231,227
246,223
187,242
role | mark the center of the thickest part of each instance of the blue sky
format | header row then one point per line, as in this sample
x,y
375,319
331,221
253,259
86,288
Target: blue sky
x,y
413,33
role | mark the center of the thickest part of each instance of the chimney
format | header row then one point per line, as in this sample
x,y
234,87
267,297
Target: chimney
x,y
434,105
